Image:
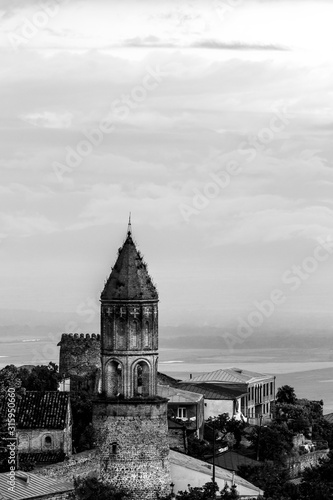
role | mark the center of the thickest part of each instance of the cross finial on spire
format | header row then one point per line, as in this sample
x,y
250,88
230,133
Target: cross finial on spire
x,y
129,228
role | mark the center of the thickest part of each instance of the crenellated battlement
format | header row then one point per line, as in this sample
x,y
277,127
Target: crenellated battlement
x,y
65,337
80,355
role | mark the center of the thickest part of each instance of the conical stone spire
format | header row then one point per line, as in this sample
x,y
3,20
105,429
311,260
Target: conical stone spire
x,y
129,279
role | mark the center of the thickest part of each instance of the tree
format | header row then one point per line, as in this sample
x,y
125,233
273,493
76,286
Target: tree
x,y
83,436
91,488
229,494
40,378
207,492
323,431
9,377
271,479
286,394
226,425
296,416
317,483
273,441
305,416
198,448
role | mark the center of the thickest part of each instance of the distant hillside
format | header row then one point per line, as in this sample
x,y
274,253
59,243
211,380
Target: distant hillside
x,y
21,324
317,332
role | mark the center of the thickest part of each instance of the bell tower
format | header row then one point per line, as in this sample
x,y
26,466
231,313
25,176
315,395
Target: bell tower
x,y
130,420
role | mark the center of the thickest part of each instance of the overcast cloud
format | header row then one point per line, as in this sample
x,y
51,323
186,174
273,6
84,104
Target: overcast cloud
x,y
249,86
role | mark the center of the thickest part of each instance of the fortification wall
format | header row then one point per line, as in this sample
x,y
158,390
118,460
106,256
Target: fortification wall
x,y
80,354
80,465
132,439
80,359
302,462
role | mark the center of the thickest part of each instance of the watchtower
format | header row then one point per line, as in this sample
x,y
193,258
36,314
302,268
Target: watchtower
x,y
129,418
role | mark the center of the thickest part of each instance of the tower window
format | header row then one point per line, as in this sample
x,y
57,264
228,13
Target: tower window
x,y
146,335
114,449
121,343
134,336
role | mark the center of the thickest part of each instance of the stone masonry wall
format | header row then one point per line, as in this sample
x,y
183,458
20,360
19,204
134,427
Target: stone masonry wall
x,y
304,461
132,438
79,465
178,440
80,357
33,440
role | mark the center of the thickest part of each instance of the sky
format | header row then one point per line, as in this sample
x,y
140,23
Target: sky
x,y
211,122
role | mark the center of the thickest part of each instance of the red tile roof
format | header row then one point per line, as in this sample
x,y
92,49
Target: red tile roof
x,y
42,410
129,279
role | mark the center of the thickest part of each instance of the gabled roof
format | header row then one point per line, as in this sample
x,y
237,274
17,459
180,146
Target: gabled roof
x,y
164,379
230,375
41,410
194,464
29,485
176,395
129,279
295,480
329,417
173,424
231,460
213,391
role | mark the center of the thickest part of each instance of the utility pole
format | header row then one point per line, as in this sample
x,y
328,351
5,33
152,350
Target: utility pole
x,y
214,456
258,440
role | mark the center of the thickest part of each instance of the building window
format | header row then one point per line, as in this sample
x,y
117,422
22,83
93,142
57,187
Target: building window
x,y
47,441
181,412
271,387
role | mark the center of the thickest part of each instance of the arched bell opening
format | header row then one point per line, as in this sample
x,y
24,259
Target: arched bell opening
x,y
141,379
114,378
